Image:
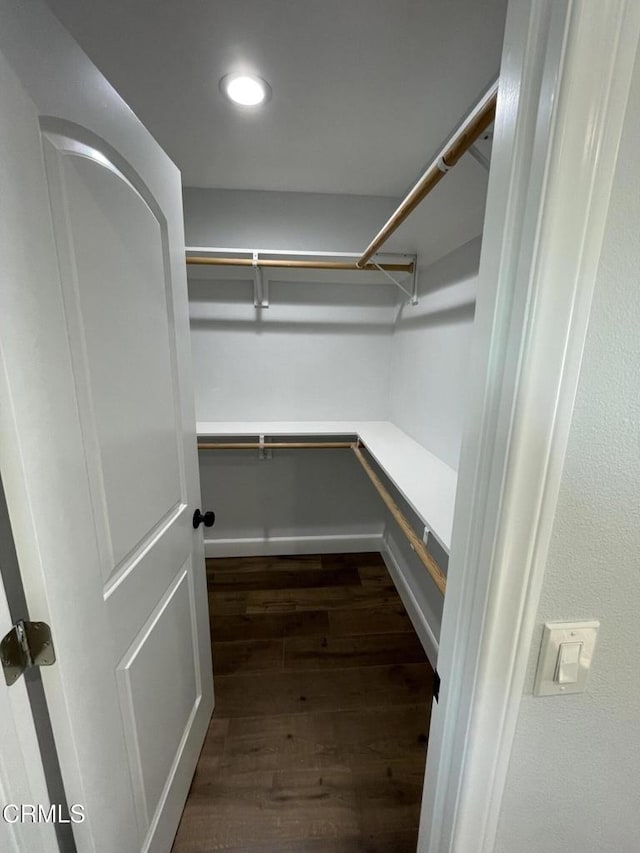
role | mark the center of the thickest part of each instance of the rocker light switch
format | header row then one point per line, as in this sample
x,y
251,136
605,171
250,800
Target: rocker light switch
x,y
565,657
568,663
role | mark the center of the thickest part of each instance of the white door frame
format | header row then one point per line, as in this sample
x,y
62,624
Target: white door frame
x,y
565,79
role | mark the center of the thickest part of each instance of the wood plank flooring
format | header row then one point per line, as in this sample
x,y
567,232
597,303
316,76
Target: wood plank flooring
x,y
323,694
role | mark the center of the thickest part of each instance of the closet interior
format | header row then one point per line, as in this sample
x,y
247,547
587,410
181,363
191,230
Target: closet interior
x,y
331,383
332,241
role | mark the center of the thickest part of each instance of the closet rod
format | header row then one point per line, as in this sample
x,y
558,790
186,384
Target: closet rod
x,y
435,572
471,128
275,445
309,265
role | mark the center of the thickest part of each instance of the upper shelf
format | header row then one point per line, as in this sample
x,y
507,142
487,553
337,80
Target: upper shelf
x,y
424,481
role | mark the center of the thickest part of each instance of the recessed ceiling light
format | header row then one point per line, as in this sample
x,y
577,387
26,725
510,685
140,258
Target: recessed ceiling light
x,y
245,89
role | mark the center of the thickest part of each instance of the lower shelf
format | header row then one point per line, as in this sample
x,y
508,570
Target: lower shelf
x,y
424,481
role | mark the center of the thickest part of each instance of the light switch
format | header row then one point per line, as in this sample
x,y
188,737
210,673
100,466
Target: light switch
x,y
568,663
565,657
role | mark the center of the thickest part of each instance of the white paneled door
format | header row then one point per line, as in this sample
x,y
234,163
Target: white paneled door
x,y
98,447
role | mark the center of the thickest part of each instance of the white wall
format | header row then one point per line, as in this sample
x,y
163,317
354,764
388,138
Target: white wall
x,y
428,401
319,352
431,353
574,774
279,220
312,501
422,599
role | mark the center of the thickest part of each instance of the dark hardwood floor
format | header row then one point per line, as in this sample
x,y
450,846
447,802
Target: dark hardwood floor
x,y
323,694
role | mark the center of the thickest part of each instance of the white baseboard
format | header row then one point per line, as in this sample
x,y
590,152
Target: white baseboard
x,y
287,545
423,630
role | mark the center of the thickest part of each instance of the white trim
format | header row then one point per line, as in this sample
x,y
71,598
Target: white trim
x,y
564,85
285,545
420,624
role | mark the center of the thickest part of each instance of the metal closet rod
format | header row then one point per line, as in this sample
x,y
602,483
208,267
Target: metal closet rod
x,y
478,120
417,545
295,264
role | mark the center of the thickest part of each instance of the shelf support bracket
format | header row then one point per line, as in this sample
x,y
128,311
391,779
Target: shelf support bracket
x,y
413,293
263,449
414,282
260,293
479,157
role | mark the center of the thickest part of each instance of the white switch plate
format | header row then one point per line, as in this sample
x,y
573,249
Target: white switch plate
x,y
553,635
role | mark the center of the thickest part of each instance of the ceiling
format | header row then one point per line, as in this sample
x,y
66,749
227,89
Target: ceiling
x,y
364,91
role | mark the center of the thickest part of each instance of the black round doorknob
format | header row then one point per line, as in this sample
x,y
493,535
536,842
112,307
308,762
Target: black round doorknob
x,y
208,519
